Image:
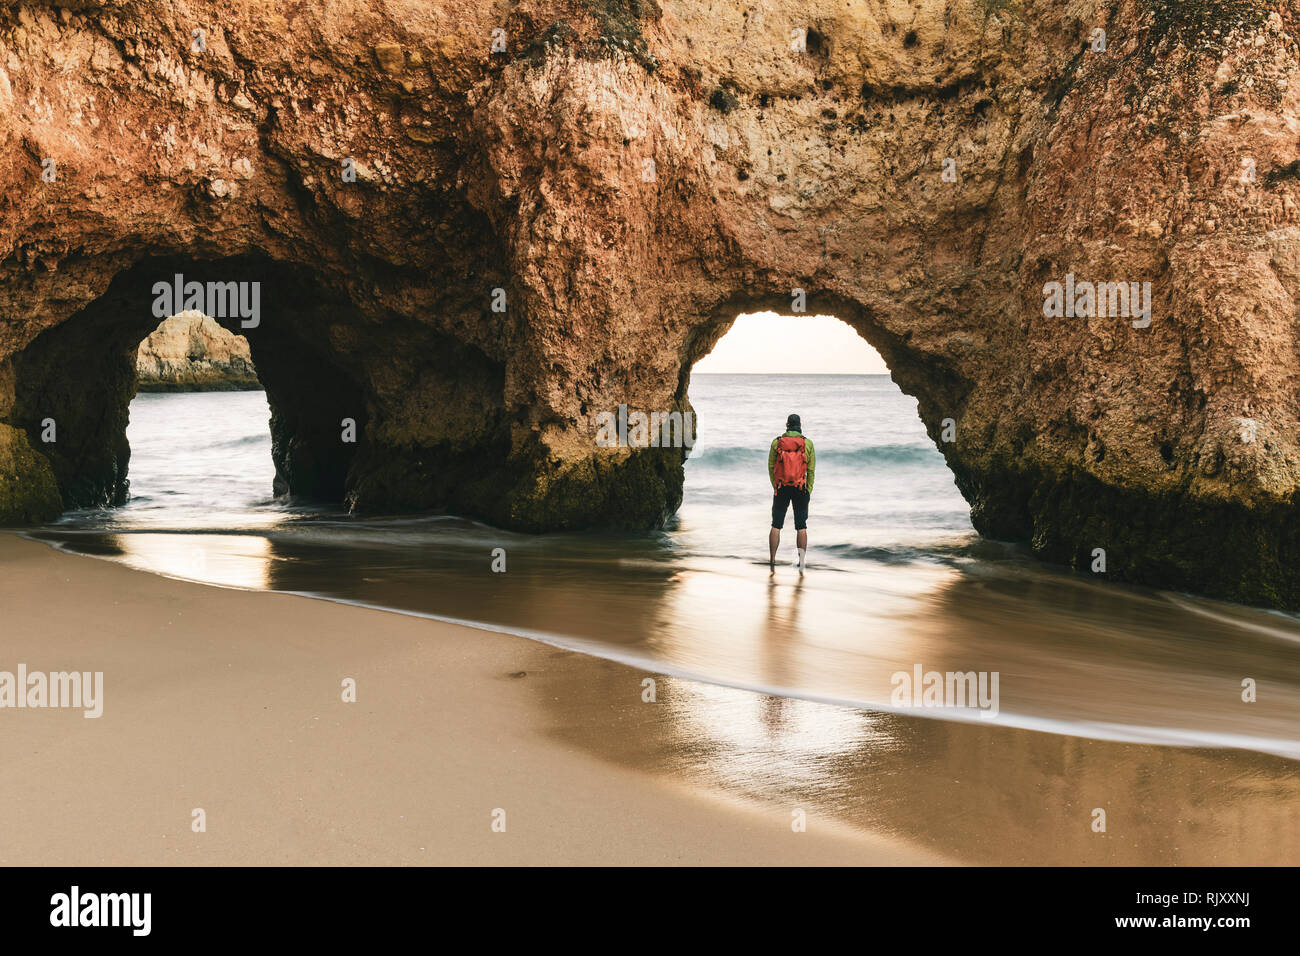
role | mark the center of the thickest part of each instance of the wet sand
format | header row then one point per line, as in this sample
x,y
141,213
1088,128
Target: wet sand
x,y
229,700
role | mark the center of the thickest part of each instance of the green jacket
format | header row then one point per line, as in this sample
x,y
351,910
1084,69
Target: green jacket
x,y
808,450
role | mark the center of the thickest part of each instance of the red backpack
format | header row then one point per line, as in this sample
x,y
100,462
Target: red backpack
x,y
791,462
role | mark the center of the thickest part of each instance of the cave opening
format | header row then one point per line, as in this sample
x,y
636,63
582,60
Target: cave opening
x,y
881,487
198,430
77,384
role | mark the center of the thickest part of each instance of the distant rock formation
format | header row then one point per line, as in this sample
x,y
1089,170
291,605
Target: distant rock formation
x,y
190,352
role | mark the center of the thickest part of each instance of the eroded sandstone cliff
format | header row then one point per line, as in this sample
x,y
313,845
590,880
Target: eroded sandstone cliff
x,y
190,352
476,227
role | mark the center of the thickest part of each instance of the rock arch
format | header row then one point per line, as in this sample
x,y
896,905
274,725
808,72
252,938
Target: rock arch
x,y
633,174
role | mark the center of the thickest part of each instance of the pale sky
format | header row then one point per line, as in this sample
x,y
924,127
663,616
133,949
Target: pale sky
x,y
792,344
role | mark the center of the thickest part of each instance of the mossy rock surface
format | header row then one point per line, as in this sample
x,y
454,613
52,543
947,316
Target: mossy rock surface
x,y
638,490
1237,551
630,491
28,491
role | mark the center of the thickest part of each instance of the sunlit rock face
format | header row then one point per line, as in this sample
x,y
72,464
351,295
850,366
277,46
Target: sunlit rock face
x,y
190,352
477,230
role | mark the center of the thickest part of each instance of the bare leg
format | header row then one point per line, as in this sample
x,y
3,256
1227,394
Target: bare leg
x,y
773,540
801,542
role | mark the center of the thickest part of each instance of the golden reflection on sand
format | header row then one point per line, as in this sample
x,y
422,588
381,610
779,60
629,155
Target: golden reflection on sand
x,y
229,560
974,793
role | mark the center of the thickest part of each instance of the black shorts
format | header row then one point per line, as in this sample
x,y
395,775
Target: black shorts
x,y
786,495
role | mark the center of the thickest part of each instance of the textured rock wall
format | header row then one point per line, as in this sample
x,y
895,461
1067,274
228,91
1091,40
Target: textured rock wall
x,y
631,175
190,352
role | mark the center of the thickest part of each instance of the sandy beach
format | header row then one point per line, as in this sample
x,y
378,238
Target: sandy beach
x,y
231,701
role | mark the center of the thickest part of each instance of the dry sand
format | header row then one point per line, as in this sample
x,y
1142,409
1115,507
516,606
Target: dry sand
x,y
231,701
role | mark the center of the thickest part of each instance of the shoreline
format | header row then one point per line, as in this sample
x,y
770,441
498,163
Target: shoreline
x,y
1095,729
240,714
228,701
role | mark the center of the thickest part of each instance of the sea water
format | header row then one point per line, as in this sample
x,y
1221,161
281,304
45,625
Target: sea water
x,y
898,583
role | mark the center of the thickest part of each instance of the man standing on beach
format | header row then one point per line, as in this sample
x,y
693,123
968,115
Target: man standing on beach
x,y
790,465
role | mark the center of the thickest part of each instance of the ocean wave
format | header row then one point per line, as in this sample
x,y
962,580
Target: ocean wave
x,y
942,552
247,441
728,455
